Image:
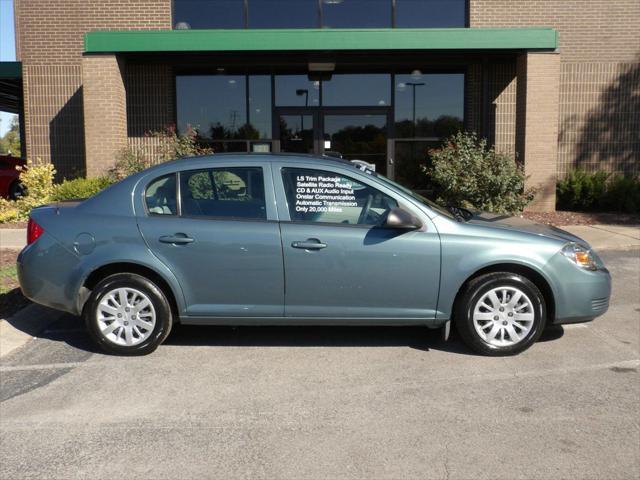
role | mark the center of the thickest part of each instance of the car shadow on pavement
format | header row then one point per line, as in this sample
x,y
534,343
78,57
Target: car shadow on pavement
x,y
70,330
418,338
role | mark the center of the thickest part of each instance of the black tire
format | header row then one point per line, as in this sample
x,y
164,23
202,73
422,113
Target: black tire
x,y
16,190
475,290
160,304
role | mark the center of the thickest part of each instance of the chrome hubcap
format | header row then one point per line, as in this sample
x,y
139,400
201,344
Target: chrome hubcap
x,y
126,316
503,316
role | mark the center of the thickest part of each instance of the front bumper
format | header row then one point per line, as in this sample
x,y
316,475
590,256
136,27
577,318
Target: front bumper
x,y
580,295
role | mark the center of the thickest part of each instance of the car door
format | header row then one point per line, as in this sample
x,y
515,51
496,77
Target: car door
x,y
216,229
340,264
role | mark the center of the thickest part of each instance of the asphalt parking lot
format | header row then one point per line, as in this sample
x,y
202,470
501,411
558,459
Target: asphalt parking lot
x,y
329,403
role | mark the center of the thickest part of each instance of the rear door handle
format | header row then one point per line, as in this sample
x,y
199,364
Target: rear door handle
x,y
177,239
309,244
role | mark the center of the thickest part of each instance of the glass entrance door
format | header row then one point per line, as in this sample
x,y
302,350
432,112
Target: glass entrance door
x,y
348,133
297,131
356,137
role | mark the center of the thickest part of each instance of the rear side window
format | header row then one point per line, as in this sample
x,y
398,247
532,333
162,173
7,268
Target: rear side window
x,y
231,192
160,196
328,197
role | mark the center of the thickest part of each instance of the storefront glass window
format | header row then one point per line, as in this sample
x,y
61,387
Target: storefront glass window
x,y
357,89
428,105
356,13
260,106
213,105
297,91
283,13
196,14
430,13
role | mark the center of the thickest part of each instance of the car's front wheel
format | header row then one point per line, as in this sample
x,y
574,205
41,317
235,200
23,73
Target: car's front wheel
x,y
127,314
500,313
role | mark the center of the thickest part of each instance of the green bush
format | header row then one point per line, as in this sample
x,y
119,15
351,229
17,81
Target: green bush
x,y
175,145
79,188
465,172
169,146
129,160
37,177
580,190
623,195
598,191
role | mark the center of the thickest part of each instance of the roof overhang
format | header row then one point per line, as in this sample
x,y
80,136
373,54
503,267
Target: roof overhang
x,y
11,87
321,40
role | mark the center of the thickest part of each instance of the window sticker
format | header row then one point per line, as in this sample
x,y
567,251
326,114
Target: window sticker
x,y
323,193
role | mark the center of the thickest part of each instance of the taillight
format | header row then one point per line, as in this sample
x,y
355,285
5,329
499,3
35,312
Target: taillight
x,y
33,231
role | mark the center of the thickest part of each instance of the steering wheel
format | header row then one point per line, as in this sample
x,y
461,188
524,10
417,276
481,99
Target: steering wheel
x,y
365,211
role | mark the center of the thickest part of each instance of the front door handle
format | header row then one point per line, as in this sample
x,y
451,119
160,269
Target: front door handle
x,y
309,244
177,239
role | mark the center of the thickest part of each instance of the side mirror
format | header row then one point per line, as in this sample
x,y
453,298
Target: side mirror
x,y
401,219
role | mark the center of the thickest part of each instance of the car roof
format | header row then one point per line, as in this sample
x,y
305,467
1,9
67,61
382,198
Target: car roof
x,y
268,157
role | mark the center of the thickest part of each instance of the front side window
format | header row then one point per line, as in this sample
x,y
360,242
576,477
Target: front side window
x,y
230,192
160,196
327,197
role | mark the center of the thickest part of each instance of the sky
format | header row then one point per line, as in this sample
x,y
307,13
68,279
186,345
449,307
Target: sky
x,y
7,50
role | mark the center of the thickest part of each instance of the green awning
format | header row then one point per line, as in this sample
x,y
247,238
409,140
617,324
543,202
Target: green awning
x,y
321,40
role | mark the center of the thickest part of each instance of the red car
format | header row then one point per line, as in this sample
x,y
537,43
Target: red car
x,y
10,186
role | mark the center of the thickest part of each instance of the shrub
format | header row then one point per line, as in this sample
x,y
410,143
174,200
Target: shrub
x,y
465,172
8,211
79,188
580,190
598,191
623,195
37,178
129,160
172,145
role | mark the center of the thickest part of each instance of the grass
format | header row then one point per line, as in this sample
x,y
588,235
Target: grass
x,y
11,298
8,278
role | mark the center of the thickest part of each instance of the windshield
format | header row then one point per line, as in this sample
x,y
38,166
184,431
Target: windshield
x,y
416,196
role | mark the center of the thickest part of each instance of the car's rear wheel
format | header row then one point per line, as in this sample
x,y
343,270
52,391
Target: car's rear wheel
x,y
16,190
127,314
500,314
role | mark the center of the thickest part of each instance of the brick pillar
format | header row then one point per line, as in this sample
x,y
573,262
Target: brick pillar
x,y
538,94
105,111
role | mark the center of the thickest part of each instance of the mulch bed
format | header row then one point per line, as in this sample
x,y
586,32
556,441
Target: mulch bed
x,y
560,218
11,298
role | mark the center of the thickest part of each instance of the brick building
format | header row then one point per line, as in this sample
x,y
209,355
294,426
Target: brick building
x,y
555,82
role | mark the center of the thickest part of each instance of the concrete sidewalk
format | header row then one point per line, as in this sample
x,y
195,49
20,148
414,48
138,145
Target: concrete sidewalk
x,y
24,325
600,237
13,237
607,237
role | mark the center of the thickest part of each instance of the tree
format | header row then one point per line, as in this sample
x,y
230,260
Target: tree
x,y
10,141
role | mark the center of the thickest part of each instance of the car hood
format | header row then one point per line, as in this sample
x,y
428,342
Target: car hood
x,y
520,224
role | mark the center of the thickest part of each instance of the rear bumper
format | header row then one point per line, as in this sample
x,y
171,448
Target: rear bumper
x,y
44,269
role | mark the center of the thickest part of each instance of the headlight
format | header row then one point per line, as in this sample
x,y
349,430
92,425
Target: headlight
x,y
579,255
